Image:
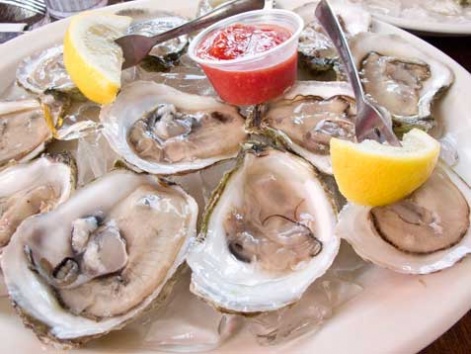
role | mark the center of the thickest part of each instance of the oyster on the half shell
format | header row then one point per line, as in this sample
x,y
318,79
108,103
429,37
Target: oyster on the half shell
x,y
308,116
24,129
316,51
165,131
400,78
267,234
99,259
164,55
45,71
33,188
423,233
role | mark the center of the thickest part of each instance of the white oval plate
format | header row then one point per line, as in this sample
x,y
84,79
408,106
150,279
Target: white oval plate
x,y
402,16
412,15
428,25
393,314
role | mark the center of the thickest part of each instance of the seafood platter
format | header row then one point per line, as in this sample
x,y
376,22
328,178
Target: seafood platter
x,y
170,220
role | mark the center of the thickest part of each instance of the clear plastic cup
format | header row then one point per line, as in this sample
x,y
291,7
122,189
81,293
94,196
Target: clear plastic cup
x,y
59,9
254,78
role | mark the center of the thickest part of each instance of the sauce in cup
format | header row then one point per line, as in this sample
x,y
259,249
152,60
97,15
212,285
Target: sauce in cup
x,y
252,57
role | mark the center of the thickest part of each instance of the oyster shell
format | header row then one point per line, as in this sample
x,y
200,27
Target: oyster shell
x,y
44,74
267,234
100,258
426,232
24,130
44,71
165,131
400,78
33,188
163,56
308,116
316,51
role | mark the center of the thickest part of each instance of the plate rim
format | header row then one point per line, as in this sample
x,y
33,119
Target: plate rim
x,y
427,27
306,343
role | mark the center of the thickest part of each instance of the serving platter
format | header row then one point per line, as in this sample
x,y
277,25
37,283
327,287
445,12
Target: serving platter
x,y
393,313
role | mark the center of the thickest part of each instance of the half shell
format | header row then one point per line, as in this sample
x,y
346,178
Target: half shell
x,y
99,259
24,130
267,234
165,131
401,78
308,116
33,188
426,232
44,71
316,51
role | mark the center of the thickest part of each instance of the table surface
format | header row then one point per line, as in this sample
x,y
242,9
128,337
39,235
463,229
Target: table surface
x,y
456,340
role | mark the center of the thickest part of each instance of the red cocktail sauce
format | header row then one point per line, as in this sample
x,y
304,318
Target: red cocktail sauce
x,y
246,86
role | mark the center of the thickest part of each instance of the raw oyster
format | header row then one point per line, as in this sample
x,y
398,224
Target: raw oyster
x,y
163,56
308,116
24,130
29,189
45,71
400,78
316,51
267,234
99,259
426,232
44,74
164,131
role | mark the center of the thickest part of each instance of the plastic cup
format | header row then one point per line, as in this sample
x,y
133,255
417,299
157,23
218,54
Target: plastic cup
x,y
254,78
60,9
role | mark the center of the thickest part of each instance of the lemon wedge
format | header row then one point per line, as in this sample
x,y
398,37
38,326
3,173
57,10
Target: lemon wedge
x,y
91,57
370,173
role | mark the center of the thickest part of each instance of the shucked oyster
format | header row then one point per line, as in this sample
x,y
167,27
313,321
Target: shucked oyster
x,y
164,55
316,51
267,234
100,258
29,189
44,71
164,131
400,78
24,130
308,116
426,232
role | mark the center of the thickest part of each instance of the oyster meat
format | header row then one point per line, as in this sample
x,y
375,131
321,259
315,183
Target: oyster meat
x,y
400,78
33,188
164,55
24,130
426,232
100,258
44,71
267,234
316,51
308,116
165,131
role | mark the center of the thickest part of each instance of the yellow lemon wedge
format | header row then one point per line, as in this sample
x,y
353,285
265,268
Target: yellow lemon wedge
x,y
370,173
91,57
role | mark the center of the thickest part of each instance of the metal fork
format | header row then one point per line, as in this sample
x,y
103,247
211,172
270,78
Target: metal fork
x,y
370,122
36,6
136,47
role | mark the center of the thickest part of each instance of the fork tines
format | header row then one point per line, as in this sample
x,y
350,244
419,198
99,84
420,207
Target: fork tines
x,y
36,6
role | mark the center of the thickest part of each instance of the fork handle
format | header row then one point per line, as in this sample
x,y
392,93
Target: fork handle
x,y
229,9
329,21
